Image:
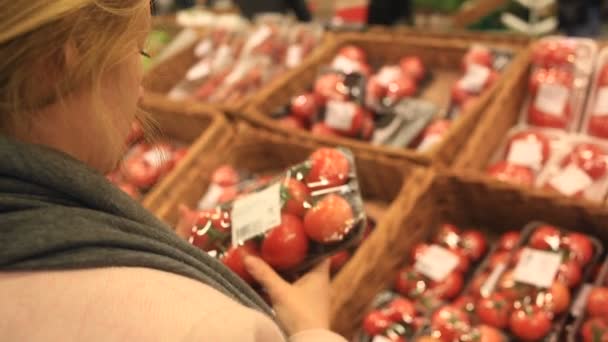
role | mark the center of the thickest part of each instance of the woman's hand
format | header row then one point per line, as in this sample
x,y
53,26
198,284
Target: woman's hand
x,y
303,305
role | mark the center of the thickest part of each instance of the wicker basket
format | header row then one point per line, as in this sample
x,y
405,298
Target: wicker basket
x,y
439,54
463,199
201,126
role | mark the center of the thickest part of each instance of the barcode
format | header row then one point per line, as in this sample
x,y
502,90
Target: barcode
x,y
246,232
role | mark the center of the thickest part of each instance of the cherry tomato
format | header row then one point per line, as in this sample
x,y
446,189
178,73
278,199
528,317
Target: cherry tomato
x,y
211,229
329,220
375,91
531,136
225,176
598,126
570,274
460,95
478,55
511,173
484,333
602,78
511,289
448,235
401,309
449,287
597,302
474,244
413,67
590,158
305,106
595,330
326,88
509,240
465,303
400,88
356,122
233,259
499,257
295,196
376,323
418,251
494,310
354,53
285,246
551,75
545,238
580,247
449,322
463,260
329,168
321,129
552,53
558,298
338,261
530,323
410,283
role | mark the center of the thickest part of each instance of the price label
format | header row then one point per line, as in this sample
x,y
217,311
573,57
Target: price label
x,y
339,115
388,74
199,70
601,102
475,79
294,56
255,214
203,48
571,180
552,99
436,263
537,268
526,153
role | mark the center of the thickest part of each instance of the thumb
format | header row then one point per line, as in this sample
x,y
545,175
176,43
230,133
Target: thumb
x,y
275,286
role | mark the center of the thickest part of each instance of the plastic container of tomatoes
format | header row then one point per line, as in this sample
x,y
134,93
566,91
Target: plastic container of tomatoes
x,y
591,311
292,221
579,169
529,296
392,318
524,153
559,80
595,121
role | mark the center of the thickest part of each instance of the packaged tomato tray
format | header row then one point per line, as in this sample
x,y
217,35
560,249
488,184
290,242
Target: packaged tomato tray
x,y
309,212
524,154
595,121
528,297
559,82
591,310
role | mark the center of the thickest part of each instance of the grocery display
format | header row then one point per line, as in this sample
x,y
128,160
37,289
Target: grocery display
x,y
594,121
591,310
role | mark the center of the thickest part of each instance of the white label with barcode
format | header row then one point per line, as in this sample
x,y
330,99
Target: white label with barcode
x,y
552,99
255,214
601,102
571,180
537,268
526,153
475,78
156,157
490,284
257,38
203,48
339,115
345,65
388,74
211,197
294,56
436,263
200,70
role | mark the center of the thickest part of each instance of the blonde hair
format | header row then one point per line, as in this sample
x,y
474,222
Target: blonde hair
x,y
34,35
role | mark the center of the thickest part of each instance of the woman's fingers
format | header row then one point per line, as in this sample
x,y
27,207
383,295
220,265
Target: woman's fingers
x,y
275,286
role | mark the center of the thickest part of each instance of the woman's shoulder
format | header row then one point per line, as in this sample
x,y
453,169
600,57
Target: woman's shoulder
x,y
123,303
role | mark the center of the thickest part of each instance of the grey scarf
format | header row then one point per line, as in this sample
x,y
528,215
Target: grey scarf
x,y
56,214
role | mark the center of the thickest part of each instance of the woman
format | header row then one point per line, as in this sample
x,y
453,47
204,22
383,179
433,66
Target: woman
x,y
80,261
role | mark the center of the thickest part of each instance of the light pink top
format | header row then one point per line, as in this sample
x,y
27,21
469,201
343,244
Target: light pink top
x,y
129,304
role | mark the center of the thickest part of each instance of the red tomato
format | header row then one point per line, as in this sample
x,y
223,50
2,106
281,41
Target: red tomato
x,y
375,91
494,310
413,67
460,96
326,87
532,137
552,75
570,274
448,288
291,122
511,289
354,53
545,237
356,123
130,190
225,176
465,303
463,260
211,229
285,246
329,168
321,129
233,259
401,309
553,53
509,240
537,117
448,235
295,196
478,55
338,261
499,257
484,333
376,323
401,88
597,302
450,322
595,330
329,220
602,78
511,173
590,158
474,244
305,106
410,283
598,126
558,298
530,323
580,247
418,251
